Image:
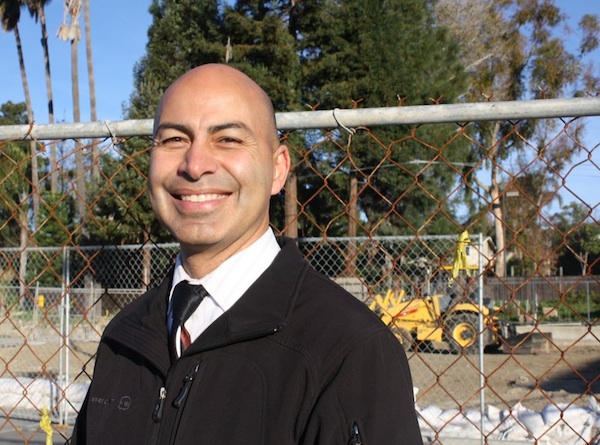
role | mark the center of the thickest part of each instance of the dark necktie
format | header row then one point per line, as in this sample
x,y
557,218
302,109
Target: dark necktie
x,y
185,300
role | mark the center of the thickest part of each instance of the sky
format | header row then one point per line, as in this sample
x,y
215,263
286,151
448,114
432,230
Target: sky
x,y
119,36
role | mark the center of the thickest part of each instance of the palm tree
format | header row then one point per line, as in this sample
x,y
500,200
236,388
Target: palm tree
x,y
37,11
10,14
72,33
92,85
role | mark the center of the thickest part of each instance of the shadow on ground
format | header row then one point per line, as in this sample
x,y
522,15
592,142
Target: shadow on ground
x,y
584,380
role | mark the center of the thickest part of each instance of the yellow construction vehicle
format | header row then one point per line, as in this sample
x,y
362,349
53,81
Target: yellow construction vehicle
x,y
439,318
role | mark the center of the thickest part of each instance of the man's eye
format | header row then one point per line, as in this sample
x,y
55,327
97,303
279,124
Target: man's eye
x,y
229,140
174,141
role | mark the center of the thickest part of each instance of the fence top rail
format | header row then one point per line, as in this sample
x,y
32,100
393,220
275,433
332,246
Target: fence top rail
x,y
337,118
89,248
327,239
176,245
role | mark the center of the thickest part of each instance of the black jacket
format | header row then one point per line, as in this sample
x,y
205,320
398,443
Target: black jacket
x,y
297,360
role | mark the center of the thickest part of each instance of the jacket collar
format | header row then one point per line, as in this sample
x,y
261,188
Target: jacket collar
x,y
261,311
264,307
141,326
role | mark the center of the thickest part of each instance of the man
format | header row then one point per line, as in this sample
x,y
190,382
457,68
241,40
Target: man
x,y
275,353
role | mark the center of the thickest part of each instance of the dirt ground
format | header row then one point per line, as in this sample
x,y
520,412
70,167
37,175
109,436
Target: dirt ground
x,y
557,375
553,376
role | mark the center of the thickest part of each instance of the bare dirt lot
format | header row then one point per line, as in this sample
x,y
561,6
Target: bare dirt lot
x,y
559,375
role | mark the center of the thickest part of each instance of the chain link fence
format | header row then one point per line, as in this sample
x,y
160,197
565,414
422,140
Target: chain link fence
x,y
501,332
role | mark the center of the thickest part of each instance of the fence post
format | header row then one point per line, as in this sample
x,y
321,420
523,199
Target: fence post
x,y
587,291
61,313
64,332
67,338
481,337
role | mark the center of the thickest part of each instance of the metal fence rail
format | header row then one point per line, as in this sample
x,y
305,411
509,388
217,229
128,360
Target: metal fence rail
x,y
338,118
59,286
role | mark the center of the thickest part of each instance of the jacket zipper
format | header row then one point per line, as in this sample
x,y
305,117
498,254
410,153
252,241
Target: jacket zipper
x,y
179,401
160,405
355,438
157,414
185,389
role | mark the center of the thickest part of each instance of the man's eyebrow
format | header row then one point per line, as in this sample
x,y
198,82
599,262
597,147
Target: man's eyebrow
x,y
173,126
213,129
229,125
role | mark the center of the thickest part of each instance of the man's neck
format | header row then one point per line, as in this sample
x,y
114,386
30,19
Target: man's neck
x,y
200,261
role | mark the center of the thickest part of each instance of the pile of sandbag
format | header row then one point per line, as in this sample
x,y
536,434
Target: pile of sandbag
x,y
556,424
34,394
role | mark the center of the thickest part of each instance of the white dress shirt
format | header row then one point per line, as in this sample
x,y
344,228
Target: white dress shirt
x,y
227,283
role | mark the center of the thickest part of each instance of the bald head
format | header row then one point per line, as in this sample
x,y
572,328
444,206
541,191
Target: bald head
x,y
228,82
215,163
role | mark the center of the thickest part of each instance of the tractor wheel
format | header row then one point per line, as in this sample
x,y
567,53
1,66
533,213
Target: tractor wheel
x,y
461,333
404,337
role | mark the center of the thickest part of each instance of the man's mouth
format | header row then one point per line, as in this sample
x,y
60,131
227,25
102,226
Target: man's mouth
x,y
203,197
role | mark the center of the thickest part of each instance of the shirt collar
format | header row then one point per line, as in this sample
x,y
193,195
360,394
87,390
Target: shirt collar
x,y
228,282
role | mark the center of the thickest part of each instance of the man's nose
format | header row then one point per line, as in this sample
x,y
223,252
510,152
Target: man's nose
x,y
199,159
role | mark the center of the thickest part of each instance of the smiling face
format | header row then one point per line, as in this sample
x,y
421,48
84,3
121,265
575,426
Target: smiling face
x,y
215,163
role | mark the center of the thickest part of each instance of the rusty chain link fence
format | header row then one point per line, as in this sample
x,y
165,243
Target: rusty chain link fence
x,y
466,237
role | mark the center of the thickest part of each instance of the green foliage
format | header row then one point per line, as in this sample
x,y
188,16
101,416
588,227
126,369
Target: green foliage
x,y
375,52
123,214
183,34
522,56
262,46
354,54
328,54
56,222
511,311
318,52
577,234
14,186
574,306
13,113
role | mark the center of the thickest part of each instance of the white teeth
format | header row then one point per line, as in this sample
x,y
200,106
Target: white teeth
x,y
201,198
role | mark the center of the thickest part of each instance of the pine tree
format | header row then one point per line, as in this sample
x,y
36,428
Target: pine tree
x,y
263,46
14,186
318,54
375,54
183,35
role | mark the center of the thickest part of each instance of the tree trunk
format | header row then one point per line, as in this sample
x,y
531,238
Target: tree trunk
x,y
500,267
92,84
352,215
23,254
79,161
35,197
146,261
53,163
496,201
291,206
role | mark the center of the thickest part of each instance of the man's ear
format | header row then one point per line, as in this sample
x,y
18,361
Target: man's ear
x,y
281,168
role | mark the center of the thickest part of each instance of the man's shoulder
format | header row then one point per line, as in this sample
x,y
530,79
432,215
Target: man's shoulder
x,y
323,292
319,295
327,323
326,314
149,304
